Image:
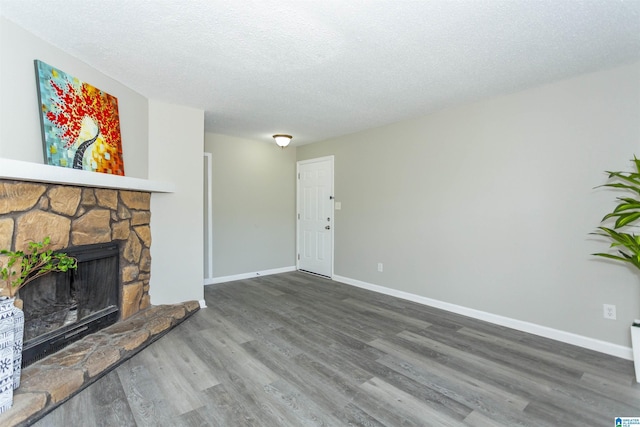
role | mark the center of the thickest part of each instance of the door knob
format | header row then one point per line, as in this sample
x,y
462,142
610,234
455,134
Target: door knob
x,y
327,227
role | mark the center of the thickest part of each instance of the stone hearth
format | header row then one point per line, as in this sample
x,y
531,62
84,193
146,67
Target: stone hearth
x,y
51,381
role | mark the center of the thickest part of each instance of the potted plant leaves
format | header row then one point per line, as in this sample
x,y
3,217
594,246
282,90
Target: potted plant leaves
x,y
624,235
38,260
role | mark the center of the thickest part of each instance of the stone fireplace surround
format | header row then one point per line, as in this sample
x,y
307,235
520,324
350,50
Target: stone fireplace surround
x,y
75,216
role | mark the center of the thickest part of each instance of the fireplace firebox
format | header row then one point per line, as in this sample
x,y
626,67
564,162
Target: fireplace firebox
x,y
61,308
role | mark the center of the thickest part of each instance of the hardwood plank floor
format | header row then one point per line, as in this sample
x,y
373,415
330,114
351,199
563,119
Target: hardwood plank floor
x,y
297,350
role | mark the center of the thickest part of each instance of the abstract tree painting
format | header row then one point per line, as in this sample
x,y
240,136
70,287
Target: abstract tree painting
x,y
80,123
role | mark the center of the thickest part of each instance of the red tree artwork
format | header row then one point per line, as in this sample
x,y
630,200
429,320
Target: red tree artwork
x,y
79,119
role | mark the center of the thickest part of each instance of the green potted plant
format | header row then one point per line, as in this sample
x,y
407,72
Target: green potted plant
x,y
625,243
38,260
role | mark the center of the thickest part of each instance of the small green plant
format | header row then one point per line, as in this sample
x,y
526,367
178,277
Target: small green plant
x,y
626,213
23,267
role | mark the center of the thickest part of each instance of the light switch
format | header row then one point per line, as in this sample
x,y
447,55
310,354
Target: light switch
x,y
338,205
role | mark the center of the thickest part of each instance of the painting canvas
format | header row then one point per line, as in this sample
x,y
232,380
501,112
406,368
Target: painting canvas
x,y
80,123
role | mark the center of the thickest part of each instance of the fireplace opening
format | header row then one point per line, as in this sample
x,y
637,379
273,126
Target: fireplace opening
x,y
61,308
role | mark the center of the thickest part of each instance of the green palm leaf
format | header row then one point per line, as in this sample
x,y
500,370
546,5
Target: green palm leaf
x,y
624,186
627,219
627,205
611,256
637,163
624,239
631,178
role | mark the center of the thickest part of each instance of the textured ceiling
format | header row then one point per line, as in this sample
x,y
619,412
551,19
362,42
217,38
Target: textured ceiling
x,y
319,69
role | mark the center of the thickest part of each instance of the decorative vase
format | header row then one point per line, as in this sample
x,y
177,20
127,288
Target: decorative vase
x,y
18,335
6,353
635,343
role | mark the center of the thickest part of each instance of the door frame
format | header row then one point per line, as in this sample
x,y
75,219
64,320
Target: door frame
x,y
331,159
208,217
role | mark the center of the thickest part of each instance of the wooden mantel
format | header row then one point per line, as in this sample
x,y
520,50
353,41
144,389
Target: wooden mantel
x,y
28,171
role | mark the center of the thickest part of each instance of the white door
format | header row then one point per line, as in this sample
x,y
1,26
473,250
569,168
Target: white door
x,y
315,216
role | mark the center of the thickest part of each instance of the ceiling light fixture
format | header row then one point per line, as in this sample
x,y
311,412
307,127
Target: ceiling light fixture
x,y
282,140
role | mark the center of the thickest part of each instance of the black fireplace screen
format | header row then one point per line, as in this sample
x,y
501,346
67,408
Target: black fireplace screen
x,y
63,307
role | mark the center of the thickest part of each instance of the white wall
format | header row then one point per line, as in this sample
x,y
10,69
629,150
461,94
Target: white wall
x,y
490,205
175,155
20,134
253,189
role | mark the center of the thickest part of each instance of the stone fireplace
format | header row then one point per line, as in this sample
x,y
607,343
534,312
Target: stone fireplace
x,y
75,216
79,209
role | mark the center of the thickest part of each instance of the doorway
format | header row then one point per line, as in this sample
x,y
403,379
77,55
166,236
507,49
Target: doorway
x,y
315,225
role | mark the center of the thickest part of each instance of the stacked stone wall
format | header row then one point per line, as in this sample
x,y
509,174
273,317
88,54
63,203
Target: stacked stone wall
x,y
74,216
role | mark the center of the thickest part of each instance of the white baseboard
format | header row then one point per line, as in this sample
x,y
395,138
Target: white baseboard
x,y
532,328
222,279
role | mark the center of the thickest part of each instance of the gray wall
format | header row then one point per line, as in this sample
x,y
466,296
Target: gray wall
x,y
489,205
253,211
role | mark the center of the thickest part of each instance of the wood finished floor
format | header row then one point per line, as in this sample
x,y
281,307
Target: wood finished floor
x,y
296,350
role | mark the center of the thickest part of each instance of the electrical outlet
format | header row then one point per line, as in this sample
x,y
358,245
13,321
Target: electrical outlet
x,y
380,267
609,311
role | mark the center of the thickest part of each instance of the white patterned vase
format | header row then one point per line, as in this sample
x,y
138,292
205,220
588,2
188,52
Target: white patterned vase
x,y
18,335
6,353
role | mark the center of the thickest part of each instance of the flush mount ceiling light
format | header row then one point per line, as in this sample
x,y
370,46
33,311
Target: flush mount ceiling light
x,y
282,140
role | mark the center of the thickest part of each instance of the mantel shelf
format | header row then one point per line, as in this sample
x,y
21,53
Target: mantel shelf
x,y
28,171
